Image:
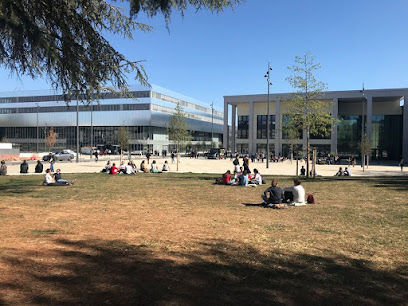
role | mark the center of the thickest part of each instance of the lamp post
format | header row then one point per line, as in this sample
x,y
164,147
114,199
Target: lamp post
x,y
362,126
77,130
90,155
267,76
38,133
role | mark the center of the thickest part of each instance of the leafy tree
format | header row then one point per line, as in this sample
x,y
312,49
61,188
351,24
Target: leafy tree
x,y
63,40
178,130
305,108
365,149
51,138
123,140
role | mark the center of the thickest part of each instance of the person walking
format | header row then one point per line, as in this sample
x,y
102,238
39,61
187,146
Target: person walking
x,y
96,155
401,164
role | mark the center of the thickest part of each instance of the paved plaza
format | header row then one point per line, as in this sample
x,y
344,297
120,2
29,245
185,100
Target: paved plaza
x,y
201,165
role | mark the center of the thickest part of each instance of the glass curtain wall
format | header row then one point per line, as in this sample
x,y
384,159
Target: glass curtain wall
x,y
261,126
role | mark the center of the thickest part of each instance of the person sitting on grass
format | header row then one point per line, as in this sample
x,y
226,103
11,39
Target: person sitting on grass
x,y
275,195
49,180
347,172
114,170
166,166
142,166
153,168
39,167
340,172
129,169
295,194
24,167
122,167
257,179
107,167
58,179
244,179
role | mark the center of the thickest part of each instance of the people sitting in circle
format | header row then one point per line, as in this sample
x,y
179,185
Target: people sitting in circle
x,y
166,166
257,178
295,194
134,167
303,171
347,172
340,172
24,167
50,181
114,170
58,179
39,167
272,195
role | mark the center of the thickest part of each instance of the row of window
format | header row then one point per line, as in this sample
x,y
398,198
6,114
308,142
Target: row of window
x,y
51,98
72,108
261,129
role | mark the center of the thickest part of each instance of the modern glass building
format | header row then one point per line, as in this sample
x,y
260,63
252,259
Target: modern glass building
x,y
381,113
26,118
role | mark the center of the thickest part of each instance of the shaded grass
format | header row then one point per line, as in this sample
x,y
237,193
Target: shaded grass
x,y
178,239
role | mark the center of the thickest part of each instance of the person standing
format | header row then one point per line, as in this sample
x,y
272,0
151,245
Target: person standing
x,y
3,168
24,167
39,167
51,160
172,157
96,155
401,164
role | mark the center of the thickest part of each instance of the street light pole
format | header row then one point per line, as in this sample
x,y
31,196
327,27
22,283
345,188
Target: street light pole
x,y
77,130
90,155
267,76
362,127
38,133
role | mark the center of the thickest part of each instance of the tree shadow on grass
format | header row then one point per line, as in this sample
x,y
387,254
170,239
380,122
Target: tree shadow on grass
x,y
14,187
216,272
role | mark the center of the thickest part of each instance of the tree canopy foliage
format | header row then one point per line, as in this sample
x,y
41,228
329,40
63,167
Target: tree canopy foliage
x,y
306,110
63,40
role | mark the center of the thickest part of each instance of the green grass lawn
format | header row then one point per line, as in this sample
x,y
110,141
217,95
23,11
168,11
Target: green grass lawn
x,y
178,239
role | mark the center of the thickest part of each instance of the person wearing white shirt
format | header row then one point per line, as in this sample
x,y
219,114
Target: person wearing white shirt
x,y
298,193
129,169
257,179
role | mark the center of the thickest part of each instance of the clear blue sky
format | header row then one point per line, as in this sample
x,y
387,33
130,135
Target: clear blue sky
x,y
207,56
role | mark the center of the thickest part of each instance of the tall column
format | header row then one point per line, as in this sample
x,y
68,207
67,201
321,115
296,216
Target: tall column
x,y
225,136
335,115
251,128
369,115
405,129
233,127
278,129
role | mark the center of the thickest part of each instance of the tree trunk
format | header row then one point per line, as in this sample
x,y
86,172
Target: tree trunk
x,y
307,157
363,161
177,155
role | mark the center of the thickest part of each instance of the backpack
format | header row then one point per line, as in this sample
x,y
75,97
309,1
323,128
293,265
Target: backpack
x,y
310,199
235,162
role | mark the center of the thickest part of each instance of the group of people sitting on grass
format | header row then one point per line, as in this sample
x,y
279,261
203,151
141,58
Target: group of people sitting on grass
x,y
131,168
346,172
275,197
241,178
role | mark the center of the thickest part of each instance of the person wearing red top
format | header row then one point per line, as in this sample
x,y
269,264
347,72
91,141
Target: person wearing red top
x,y
114,169
226,177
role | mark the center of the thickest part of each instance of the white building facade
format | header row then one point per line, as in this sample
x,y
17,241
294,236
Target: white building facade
x,y
381,113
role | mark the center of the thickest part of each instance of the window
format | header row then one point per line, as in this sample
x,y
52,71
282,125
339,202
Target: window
x,y
243,127
261,126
